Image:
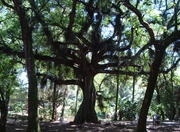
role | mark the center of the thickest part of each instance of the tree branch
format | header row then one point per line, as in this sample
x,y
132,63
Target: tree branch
x,y
60,81
71,21
6,4
141,51
89,18
171,68
44,25
104,66
171,38
140,17
123,72
8,51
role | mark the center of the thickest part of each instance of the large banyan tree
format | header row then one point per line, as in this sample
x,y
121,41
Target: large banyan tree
x,y
91,37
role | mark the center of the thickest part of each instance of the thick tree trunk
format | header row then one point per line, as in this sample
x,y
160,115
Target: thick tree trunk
x,y
4,113
86,112
33,125
154,71
26,30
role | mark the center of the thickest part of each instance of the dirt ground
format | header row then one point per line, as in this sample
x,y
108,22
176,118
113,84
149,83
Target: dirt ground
x,y
117,126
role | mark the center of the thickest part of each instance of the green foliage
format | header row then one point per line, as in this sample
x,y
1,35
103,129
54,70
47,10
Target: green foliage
x,y
128,110
107,30
165,103
18,107
8,80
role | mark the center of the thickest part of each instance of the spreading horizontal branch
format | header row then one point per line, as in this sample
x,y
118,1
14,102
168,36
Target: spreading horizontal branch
x,y
108,65
124,72
60,81
8,51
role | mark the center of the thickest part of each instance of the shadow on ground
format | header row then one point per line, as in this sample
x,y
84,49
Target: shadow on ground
x,y
114,126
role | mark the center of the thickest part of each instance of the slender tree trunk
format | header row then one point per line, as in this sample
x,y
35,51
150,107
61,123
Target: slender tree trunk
x,y
172,105
4,113
154,71
177,116
86,112
54,111
133,90
175,14
159,102
117,94
64,104
77,93
26,30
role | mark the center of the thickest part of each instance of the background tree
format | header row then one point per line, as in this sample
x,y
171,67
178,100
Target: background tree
x,y
8,82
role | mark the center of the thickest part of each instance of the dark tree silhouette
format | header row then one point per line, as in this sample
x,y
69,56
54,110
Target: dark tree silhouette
x,y
77,38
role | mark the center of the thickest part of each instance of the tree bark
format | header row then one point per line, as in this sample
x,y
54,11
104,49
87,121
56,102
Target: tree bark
x,y
86,112
133,90
33,122
64,104
172,105
76,104
26,30
4,113
177,94
54,111
154,71
117,95
159,102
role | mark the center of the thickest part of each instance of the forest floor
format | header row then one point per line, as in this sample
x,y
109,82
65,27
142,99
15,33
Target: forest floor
x,y
114,126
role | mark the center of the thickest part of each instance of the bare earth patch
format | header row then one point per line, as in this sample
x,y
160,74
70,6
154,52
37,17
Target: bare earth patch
x,y
114,126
